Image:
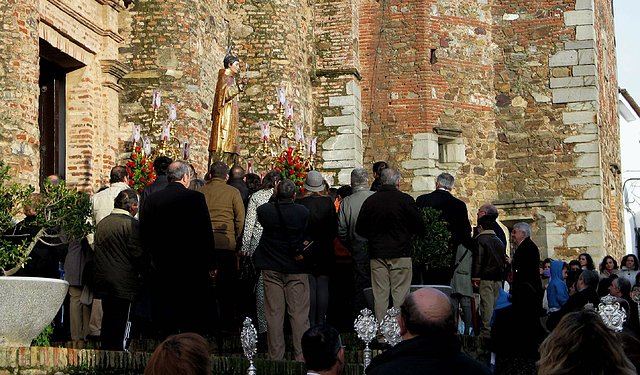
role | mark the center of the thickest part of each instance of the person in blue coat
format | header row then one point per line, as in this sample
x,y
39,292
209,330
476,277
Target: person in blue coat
x,y
557,292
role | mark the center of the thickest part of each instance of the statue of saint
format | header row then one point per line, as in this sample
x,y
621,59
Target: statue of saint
x,y
223,144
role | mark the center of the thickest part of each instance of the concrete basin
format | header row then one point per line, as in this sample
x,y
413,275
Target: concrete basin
x,y
27,306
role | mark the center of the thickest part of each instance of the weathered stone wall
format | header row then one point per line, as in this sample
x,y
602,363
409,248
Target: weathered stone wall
x,y
427,83
19,138
552,159
276,38
176,48
337,88
85,30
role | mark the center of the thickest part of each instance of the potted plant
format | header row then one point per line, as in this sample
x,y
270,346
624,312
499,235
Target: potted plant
x,y
57,215
431,256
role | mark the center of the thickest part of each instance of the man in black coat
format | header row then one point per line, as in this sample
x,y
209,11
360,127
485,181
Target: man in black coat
x,y
120,264
429,344
176,231
526,261
236,179
388,220
160,166
453,211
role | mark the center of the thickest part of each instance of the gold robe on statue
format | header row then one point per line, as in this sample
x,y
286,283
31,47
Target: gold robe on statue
x,y
224,130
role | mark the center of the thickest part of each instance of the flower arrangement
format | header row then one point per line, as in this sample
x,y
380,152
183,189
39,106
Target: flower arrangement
x,y
292,167
140,170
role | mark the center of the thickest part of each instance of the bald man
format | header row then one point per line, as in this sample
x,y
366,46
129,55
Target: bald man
x,y
429,344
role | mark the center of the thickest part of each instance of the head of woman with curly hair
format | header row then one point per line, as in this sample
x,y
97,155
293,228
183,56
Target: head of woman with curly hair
x,y
582,344
630,262
608,264
586,262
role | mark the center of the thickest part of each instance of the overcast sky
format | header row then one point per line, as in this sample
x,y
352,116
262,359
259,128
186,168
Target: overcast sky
x,y
627,23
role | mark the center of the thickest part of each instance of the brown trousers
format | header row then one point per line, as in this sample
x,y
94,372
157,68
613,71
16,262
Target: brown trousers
x,y
285,293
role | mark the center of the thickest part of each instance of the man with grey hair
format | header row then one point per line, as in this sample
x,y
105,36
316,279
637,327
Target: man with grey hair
x,y
347,219
491,211
454,212
388,220
176,231
526,261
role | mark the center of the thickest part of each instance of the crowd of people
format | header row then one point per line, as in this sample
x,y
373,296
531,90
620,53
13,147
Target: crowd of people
x,y
198,255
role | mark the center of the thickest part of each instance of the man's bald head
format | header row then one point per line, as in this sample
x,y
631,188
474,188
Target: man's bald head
x,y
427,310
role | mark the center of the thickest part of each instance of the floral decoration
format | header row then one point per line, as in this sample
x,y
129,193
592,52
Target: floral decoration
x,y
292,167
140,170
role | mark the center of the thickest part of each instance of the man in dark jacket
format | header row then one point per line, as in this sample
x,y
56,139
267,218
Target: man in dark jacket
x,y
236,179
119,264
526,261
454,212
286,285
429,344
488,264
160,166
388,220
177,232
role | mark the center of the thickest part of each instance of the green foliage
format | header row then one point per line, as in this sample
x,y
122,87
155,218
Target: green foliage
x,y
432,249
60,214
44,338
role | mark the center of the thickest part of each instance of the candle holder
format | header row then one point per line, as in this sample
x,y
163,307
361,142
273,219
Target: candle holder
x,y
389,327
249,339
366,328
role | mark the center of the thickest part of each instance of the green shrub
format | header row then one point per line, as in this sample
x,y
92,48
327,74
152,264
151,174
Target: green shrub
x,y
432,248
61,215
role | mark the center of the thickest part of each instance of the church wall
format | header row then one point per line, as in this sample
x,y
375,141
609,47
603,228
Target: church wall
x,y
19,138
427,70
85,30
176,48
337,88
276,38
551,160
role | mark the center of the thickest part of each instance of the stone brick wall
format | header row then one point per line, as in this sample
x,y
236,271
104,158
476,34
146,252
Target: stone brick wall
x,y
276,38
552,160
177,48
428,86
337,90
19,138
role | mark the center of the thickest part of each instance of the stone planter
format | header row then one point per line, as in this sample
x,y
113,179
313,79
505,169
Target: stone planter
x,y
28,305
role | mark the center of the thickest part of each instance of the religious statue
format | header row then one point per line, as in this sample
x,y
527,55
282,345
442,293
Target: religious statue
x,y
223,144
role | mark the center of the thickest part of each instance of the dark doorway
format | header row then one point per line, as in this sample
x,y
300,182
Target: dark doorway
x,y
51,115
54,65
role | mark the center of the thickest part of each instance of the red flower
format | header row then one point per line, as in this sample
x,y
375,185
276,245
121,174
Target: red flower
x,y
292,172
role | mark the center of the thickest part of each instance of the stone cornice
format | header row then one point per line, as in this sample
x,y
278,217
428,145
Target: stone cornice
x,y
114,70
86,21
